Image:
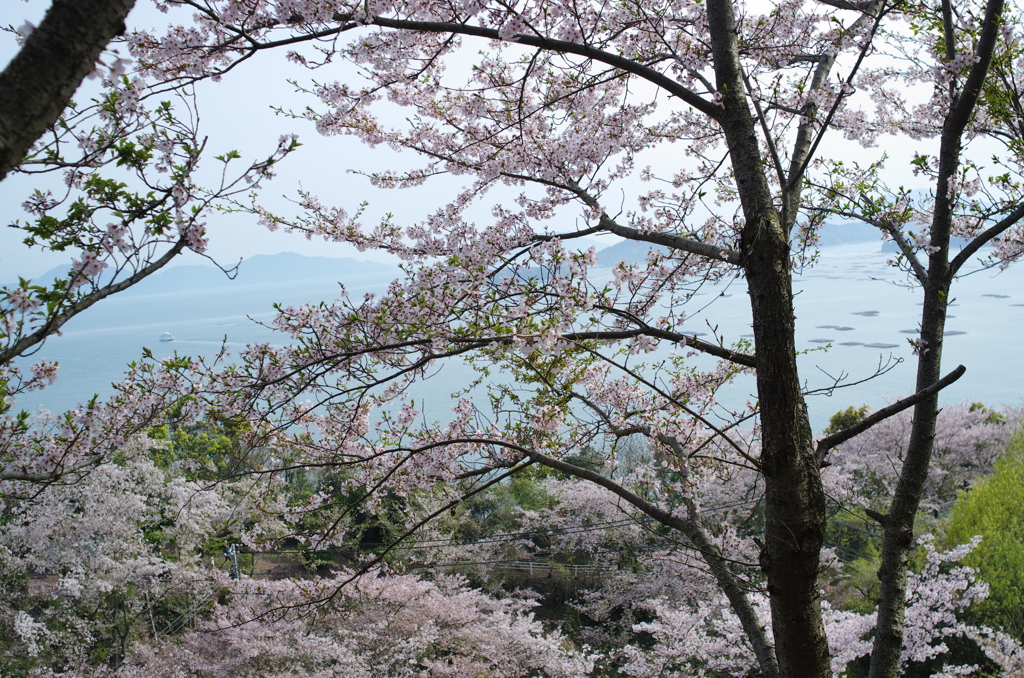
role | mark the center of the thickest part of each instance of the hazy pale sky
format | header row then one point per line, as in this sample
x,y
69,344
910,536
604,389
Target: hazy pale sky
x,y
237,114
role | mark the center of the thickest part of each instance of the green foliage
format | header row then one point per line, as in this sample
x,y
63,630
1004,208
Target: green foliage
x,y
500,508
315,561
994,509
206,450
993,416
844,419
201,452
861,586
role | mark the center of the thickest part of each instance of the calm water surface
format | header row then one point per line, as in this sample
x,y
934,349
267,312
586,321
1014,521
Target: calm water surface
x,y
844,302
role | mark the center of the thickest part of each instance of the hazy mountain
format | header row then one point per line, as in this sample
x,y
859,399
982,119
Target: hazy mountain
x,y
628,250
847,233
261,268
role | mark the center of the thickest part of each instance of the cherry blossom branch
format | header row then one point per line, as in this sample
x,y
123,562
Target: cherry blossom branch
x,y
1004,224
678,403
463,345
57,473
674,241
675,337
534,40
905,247
730,584
606,223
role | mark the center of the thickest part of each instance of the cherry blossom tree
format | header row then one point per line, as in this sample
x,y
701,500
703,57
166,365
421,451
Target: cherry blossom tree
x,y
968,441
656,611
698,640
87,564
559,106
130,202
127,575
387,625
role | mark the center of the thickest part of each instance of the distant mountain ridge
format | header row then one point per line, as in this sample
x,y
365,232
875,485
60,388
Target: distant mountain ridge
x,y
287,267
258,269
291,267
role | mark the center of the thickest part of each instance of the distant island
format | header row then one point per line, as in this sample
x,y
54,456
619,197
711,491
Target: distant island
x,y
291,267
258,269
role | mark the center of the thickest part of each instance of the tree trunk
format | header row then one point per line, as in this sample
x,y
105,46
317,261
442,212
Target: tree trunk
x,y
795,499
38,83
899,524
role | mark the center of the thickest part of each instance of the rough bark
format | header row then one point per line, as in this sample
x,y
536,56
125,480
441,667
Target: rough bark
x,y
795,500
40,80
899,523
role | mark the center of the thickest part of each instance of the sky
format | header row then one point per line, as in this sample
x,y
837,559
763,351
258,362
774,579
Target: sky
x,y
237,115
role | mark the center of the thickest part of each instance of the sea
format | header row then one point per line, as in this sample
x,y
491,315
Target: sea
x,y
855,315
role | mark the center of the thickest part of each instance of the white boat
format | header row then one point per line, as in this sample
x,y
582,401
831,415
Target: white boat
x,y
166,336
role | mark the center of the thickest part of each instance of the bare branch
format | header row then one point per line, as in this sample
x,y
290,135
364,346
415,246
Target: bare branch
x,y
826,444
1007,222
